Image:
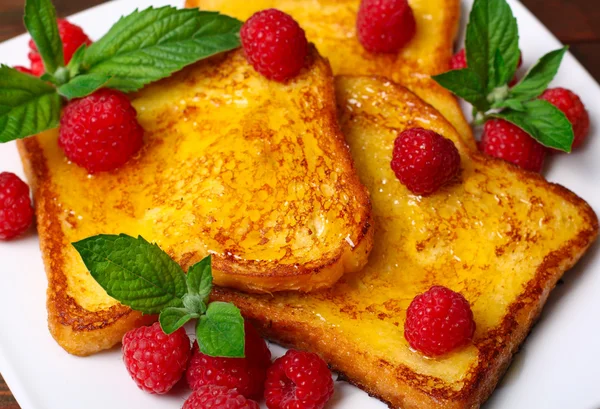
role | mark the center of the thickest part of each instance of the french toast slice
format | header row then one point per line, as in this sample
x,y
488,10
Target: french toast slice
x,y
499,235
331,26
255,172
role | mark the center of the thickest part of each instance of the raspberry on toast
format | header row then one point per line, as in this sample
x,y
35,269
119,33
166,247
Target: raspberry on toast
x,y
253,171
331,26
499,235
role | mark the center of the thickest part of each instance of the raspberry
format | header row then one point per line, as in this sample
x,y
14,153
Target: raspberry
x,y
156,361
72,37
274,44
24,70
424,160
218,397
504,140
459,62
247,375
385,26
100,132
569,103
298,380
16,213
438,321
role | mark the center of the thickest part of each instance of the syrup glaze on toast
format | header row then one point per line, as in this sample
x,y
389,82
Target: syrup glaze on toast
x,y
499,235
255,172
331,26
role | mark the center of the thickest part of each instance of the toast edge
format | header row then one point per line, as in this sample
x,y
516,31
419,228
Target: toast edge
x,y
78,331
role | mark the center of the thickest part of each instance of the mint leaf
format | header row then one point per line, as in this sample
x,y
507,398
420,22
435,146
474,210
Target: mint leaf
x,y
152,44
49,78
171,319
539,76
501,71
40,20
194,303
134,272
220,332
544,122
510,103
83,85
74,65
465,84
199,278
492,27
28,105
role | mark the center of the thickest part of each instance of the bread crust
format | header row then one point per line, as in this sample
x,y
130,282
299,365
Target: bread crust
x,y
79,331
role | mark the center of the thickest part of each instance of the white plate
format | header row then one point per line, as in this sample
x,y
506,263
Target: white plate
x,y
557,368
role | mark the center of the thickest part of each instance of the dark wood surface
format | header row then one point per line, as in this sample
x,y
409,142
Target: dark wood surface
x,y
574,22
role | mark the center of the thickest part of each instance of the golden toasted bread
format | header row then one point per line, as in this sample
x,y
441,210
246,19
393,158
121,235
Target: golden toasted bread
x,y
499,235
253,171
331,26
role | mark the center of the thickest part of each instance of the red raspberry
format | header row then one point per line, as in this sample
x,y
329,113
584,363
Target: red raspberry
x,y
438,321
424,160
24,70
100,132
298,380
156,361
504,140
385,26
16,213
72,37
274,44
569,103
459,62
247,375
218,397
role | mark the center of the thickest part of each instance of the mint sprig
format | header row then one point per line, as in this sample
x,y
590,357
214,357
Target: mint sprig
x,y
143,277
492,51
140,48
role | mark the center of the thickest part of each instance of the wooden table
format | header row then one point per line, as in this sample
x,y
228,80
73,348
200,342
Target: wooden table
x,y
574,22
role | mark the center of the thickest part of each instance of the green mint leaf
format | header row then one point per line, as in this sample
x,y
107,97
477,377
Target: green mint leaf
x,y
28,105
171,319
220,332
501,71
49,78
148,45
74,65
467,85
492,27
40,20
83,85
513,104
194,303
199,278
134,272
539,76
544,122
